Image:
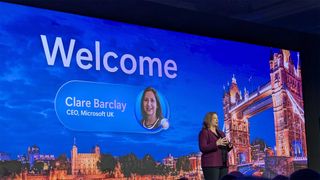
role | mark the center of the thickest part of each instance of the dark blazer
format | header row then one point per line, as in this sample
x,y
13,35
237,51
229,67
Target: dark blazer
x,y
211,153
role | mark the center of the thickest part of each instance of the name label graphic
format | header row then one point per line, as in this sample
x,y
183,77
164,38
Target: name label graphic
x,y
102,107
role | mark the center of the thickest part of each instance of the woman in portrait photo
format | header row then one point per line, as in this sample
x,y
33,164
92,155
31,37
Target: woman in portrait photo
x,y
152,117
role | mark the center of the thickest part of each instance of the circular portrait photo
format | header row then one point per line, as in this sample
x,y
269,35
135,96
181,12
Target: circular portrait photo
x,y
152,110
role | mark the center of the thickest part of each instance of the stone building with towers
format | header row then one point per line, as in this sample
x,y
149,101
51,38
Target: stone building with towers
x,y
282,93
85,163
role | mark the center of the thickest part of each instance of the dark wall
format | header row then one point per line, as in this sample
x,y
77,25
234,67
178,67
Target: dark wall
x,y
310,54
161,16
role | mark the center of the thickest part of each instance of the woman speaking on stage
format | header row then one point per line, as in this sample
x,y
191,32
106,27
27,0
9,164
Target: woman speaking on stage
x,y
214,147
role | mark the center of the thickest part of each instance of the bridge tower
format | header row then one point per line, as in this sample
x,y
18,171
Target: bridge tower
x,y
236,126
287,105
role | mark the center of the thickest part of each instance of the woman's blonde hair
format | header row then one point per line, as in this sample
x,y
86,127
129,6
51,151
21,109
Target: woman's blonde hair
x,y
207,120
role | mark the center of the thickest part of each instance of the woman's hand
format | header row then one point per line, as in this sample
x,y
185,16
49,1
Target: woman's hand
x,y
222,142
230,145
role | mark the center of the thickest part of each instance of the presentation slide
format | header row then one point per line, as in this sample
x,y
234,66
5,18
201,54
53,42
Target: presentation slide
x,y
93,98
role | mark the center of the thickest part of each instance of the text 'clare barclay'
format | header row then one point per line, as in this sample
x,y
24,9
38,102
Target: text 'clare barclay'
x,y
95,103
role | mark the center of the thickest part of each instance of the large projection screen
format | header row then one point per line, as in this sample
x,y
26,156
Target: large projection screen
x,y
73,100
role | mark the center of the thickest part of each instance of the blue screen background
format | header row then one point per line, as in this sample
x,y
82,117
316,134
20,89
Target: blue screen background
x,y
28,85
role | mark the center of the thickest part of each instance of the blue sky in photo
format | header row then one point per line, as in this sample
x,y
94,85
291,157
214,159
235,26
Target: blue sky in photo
x,y
28,85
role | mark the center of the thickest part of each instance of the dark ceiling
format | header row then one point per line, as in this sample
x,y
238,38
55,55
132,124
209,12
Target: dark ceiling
x,y
296,15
